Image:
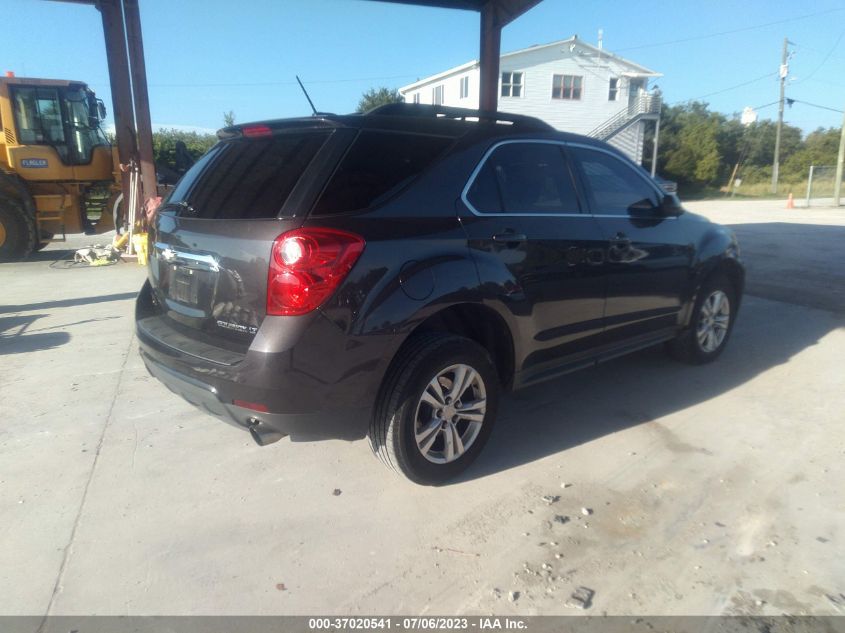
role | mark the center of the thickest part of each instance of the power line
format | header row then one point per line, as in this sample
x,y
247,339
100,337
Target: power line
x,y
272,83
827,83
814,105
766,105
740,85
731,31
824,61
805,48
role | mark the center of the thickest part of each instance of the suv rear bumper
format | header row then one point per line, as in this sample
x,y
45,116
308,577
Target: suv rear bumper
x,y
318,383
300,426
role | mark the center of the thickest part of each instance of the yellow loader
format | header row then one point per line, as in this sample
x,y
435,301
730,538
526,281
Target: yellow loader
x,y
56,164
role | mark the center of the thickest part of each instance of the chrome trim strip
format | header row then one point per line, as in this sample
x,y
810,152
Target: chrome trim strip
x,y
171,255
487,154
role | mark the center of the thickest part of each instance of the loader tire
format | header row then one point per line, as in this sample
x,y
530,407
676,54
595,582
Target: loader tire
x,y
17,231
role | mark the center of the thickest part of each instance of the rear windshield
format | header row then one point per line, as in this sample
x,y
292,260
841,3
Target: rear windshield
x,y
246,179
378,165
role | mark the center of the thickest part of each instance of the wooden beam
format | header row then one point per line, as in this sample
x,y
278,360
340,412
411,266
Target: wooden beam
x,y
135,42
489,53
121,88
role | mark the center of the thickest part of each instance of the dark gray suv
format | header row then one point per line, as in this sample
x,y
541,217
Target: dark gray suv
x,y
391,274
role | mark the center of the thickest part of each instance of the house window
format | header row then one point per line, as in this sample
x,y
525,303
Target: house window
x,y
437,95
511,84
464,87
416,97
567,86
613,89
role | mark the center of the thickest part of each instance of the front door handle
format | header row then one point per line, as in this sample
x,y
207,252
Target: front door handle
x,y
620,239
509,237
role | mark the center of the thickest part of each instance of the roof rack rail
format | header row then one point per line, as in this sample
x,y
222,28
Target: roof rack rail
x,y
462,114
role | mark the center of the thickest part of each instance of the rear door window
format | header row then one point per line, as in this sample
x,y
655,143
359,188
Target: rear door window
x,y
246,178
530,178
378,165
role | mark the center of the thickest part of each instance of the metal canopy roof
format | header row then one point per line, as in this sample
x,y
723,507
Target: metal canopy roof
x,y
506,10
127,73
495,14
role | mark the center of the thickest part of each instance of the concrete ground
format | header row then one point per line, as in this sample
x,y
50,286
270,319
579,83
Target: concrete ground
x,y
705,490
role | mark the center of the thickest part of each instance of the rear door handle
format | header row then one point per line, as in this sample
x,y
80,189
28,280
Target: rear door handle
x,y
510,237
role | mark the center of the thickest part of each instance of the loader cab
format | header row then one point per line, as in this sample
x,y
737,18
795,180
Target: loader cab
x,y
66,118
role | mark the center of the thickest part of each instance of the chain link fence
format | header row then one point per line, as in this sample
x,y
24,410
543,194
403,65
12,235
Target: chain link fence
x,y
821,181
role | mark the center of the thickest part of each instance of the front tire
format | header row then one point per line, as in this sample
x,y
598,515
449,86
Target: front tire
x,y
710,325
436,408
17,231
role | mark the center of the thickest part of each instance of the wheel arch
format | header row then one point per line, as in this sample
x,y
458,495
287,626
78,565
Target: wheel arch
x,y
17,201
480,323
14,188
725,265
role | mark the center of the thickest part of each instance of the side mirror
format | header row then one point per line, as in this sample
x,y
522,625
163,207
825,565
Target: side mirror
x,y
101,110
670,206
644,209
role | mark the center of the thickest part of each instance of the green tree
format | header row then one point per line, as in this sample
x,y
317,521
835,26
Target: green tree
x,y
699,148
761,142
228,118
689,150
819,148
375,97
164,145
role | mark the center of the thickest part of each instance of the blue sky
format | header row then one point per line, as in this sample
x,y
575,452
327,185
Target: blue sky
x,y
208,56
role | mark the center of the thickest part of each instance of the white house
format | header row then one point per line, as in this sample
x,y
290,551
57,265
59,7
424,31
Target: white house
x,y
572,85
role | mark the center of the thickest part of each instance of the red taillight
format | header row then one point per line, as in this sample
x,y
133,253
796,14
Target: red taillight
x,y
256,131
307,266
255,406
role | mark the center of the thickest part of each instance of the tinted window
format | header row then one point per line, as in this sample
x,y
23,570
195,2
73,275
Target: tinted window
x,y
38,115
524,178
247,179
614,186
484,192
378,165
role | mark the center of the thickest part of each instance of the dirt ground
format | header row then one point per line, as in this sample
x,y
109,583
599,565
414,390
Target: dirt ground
x,y
662,488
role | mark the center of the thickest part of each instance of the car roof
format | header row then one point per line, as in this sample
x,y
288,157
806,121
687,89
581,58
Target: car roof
x,y
417,118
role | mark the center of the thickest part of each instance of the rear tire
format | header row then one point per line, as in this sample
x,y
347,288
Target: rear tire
x,y
419,428
711,323
17,231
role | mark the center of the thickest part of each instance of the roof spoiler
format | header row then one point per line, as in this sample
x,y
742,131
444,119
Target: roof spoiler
x,y
270,128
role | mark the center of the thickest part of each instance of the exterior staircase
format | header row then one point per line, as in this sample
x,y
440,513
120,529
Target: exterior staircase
x,y
646,106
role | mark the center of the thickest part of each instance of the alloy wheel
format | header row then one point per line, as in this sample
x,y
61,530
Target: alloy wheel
x,y
450,414
713,321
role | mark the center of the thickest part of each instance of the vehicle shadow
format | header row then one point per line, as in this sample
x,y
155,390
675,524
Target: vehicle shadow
x,y
14,338
55,255
66,303
551,417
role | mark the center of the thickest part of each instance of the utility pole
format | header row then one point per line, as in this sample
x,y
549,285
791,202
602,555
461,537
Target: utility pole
x,y
654,149
784,71
840,159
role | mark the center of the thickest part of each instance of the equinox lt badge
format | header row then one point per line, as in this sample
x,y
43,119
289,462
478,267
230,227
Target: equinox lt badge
x,y
237,327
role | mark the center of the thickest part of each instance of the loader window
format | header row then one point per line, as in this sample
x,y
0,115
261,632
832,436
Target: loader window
x,y
83,137
57,117
38,113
